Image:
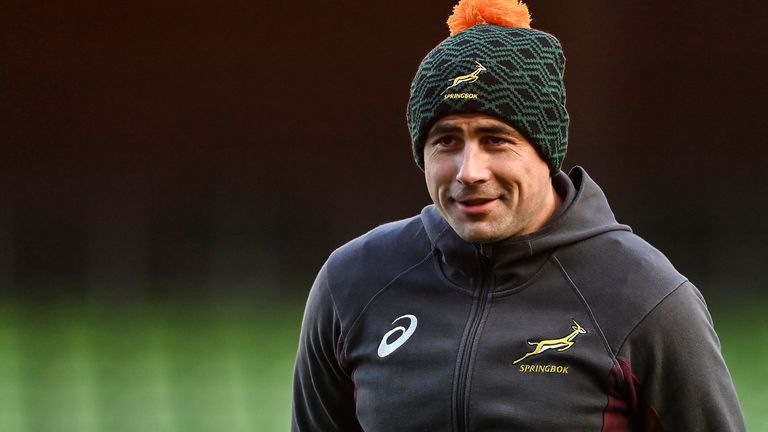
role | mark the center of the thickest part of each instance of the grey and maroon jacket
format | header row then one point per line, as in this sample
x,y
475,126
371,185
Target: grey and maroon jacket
x,y
580,326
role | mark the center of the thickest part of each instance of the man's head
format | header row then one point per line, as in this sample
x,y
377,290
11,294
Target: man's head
x,y
494,64
488,121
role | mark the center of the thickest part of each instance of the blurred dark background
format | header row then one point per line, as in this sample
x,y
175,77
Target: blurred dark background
x,y
208,150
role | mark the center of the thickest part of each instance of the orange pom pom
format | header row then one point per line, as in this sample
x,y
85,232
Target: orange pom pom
x,y
468,13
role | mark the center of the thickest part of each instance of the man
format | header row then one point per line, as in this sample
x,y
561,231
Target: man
x,y
516,302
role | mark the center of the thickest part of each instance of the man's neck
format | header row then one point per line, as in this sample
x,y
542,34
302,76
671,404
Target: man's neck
x,y
551,207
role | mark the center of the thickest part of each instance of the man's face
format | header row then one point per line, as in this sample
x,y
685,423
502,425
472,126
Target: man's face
x,y
487,180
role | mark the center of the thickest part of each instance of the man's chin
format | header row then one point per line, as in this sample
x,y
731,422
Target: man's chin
x,y
477,232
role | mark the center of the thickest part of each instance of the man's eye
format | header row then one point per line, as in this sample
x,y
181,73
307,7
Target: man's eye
x,y
497,140
446,141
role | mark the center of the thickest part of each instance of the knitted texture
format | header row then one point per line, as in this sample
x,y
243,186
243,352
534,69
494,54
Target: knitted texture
x,y
515,74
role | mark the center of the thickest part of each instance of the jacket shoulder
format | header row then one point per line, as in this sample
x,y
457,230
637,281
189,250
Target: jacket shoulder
x,y
621,277
361,268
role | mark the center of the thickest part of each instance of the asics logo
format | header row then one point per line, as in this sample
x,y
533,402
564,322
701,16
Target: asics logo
x,y
386,348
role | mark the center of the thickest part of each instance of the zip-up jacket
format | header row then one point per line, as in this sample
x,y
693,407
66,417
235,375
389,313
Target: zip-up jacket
x,y
580,326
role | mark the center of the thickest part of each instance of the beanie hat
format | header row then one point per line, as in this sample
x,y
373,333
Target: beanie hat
x,y
494,63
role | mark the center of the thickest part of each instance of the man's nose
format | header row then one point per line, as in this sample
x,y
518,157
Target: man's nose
x,y
472,165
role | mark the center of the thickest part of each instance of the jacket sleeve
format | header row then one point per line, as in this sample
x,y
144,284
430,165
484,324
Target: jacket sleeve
x,y
323,393
675,372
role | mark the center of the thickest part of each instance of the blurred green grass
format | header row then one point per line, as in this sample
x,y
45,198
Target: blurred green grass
x,y
171,367
158,368
742,326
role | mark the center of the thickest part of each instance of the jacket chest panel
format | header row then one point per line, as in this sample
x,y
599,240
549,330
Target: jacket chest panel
x,y
522,366
540,365
402,355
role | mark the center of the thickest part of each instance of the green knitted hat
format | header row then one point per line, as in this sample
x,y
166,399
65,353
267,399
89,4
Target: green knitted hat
x,y
513,73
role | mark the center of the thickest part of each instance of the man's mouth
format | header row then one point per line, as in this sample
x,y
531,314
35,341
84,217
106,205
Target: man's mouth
x,y
475,201
475,205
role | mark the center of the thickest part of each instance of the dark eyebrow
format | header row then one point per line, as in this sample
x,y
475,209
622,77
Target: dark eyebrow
x,y
448,128
442,129
498,130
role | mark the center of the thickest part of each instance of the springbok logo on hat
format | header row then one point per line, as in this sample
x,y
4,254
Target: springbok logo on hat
x,y
468,78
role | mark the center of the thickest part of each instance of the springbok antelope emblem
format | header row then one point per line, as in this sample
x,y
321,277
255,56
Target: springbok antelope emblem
x,y
468,78
561,344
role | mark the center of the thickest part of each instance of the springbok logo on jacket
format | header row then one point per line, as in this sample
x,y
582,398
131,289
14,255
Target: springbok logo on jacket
x,y
561,344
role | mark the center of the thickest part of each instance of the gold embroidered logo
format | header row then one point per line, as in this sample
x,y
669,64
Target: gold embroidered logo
x,y
468,78
561,344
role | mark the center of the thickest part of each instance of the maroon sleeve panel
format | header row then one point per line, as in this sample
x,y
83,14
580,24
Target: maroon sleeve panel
x,y
627,409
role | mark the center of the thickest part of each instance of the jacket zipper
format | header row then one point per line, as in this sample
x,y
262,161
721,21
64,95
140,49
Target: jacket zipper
x,y
462,398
